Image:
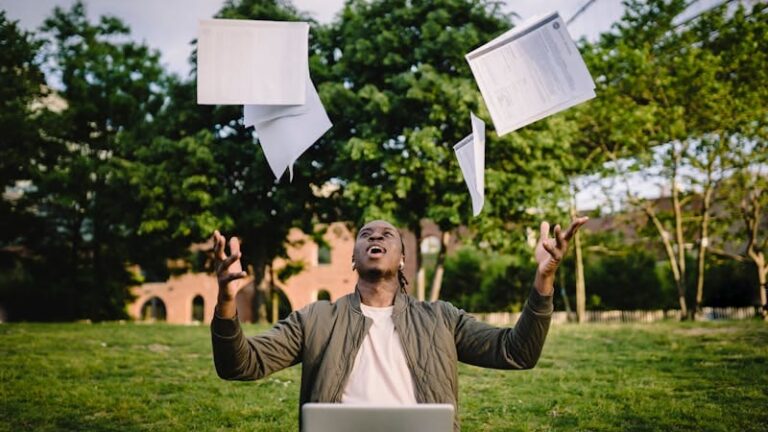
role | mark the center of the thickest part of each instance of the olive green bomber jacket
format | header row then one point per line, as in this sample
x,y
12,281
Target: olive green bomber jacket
x,y
325,338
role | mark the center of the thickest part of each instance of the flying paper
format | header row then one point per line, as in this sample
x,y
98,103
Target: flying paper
x,y
470,152
247,62
285,135
530,72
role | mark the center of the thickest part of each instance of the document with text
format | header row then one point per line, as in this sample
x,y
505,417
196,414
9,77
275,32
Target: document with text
x,y
530,72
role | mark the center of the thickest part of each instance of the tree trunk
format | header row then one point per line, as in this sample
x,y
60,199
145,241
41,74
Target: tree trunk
x,y
678,214
702,253
581,291
676,275
275,306
762,278
421,281
437,281
261,294
581,299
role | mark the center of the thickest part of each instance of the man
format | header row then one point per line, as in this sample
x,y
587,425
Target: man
x,y
378,345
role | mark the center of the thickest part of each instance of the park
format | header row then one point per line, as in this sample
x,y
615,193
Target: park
x,y
115,179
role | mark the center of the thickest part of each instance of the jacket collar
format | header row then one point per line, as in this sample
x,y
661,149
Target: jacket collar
x,y
401,301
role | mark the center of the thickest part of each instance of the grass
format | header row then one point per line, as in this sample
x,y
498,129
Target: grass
x,y
644,377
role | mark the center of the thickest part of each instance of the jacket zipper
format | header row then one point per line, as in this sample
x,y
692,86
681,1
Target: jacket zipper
x,y
350,362
408,360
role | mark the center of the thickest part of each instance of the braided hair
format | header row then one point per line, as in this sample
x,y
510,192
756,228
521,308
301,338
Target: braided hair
x,y
401,279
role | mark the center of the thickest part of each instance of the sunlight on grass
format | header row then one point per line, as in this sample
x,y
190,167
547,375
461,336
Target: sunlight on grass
x,y
664,376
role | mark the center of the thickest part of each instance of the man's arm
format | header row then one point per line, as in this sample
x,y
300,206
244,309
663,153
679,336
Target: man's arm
x,y
239,358
235,356
518,347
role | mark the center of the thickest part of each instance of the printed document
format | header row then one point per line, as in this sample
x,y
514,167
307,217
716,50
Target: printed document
x,y
530,72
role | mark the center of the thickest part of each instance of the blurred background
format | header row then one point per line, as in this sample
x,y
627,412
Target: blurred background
x,y
114,178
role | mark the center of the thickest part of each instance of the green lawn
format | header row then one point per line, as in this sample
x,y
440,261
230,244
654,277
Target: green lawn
x,y
665,376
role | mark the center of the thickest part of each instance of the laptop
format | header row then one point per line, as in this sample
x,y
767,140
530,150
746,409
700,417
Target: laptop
x,y
330,417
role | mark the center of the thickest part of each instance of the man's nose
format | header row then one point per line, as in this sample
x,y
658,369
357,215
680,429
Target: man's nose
x,y
373,237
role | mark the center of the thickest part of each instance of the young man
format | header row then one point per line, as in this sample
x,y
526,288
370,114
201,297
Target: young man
x,y
378,345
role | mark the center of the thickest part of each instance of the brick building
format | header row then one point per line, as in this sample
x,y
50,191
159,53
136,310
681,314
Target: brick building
x,y
327,274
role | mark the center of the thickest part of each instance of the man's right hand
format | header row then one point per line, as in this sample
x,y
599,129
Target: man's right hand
x,y
229,273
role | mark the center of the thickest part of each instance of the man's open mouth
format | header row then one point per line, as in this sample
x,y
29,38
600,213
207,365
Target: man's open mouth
x,y
375,251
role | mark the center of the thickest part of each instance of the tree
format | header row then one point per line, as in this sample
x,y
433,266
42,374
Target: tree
x,y
402,92
245,197
671,100
95,175
23,87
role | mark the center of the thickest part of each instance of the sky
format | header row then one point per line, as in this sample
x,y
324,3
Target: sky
x,y
170,25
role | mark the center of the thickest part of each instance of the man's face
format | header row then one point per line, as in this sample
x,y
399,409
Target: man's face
x,y
378,250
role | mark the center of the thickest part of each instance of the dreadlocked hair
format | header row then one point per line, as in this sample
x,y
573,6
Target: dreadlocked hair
x,y
401,279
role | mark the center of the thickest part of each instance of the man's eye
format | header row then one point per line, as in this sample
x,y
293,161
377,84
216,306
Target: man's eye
x,y
388,234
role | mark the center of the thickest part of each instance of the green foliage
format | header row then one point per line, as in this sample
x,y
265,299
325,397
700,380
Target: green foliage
x,y
401,100
483,281
290,269
23,83
730,283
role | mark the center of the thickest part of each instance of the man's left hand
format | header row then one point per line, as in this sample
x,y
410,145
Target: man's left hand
x,y
550,252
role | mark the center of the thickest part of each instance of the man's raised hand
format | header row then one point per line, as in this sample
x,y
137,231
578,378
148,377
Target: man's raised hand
x,y
229,271
550,252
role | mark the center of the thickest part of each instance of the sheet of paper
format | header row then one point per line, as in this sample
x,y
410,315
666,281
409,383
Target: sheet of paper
x,y
255,114
530,72
247,62
470,153
284,139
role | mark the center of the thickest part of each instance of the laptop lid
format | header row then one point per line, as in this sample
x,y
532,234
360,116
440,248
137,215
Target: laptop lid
x,y
329,417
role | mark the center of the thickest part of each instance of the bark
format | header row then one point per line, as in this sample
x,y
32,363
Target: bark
x,y
703,244
261,295
420,272
275,306
677,275
421,281
437,281
762,276
750,210
678,214
581,294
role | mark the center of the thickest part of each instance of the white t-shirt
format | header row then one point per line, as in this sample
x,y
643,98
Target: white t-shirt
x,y
380,374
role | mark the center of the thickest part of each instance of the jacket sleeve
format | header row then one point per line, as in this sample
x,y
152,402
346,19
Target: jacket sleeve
x,y
518,347
237,357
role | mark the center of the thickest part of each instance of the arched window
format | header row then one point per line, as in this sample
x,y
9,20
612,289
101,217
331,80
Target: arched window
x,y
198,308
323,295
153,309
323,255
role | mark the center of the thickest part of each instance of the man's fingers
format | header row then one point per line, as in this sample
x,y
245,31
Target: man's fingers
x,y
229,277
549,246
234,246
544,231
559,240
229,261
218,245
575,225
